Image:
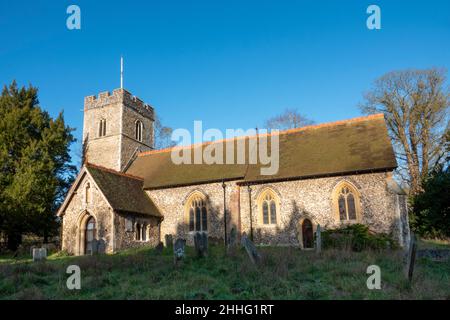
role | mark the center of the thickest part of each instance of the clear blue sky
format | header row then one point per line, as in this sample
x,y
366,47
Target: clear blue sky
x,y
231,63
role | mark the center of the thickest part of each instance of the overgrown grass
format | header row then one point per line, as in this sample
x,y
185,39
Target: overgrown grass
x,y
285,273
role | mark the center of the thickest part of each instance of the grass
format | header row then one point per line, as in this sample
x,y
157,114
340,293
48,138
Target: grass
x,y
434,244
285,273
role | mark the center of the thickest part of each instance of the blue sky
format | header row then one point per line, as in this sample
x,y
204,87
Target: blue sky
x,y
231,64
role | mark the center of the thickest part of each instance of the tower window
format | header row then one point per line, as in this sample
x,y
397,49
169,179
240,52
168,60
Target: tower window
x,y
102,128
138,131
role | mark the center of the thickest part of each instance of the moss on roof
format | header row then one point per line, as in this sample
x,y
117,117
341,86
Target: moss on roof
x,y
124,192
356,145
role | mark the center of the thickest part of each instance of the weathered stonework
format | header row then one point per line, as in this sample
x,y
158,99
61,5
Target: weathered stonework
x,y
125,239
309,198
171,203
121,111
110,225
313,199
74,214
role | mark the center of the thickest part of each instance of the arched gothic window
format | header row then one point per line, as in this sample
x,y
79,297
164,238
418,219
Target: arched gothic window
x,y
138,130
268,204
197,213
347,202
102,128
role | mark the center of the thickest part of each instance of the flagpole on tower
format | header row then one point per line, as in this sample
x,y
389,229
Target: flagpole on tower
x,y
121,72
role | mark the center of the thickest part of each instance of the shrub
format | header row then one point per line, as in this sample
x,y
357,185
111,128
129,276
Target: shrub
x,y
356,237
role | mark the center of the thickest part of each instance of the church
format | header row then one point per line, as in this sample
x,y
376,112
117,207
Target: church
x,y
129,195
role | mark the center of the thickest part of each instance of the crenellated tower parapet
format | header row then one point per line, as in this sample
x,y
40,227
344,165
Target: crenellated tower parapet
x,y
117,125
121,96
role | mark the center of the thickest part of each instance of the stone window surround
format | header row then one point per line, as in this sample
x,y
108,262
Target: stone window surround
x,y
147,231
139,130
102,128
87,194
335,202
187,205
260,198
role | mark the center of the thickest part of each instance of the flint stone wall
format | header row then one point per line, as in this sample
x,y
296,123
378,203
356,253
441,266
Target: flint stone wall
x,y
308,198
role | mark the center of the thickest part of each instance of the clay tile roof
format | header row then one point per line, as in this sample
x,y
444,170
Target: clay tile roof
x,y
344,147
124,192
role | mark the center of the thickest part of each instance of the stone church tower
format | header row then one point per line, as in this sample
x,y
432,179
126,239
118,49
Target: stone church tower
x,y
116,127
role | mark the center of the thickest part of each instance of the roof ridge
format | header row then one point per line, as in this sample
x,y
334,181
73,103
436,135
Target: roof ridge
x,y
88,164
287,131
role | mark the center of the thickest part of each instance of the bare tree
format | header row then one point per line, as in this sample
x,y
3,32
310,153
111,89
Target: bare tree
x,y
415,104
289,119
162,134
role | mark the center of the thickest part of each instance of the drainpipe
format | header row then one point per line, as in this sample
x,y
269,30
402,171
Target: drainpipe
x,y
224,212
249,189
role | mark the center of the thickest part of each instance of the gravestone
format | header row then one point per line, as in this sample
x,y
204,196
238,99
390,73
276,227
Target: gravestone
x,y
94,246
252,252
201,244
101,246
318,239
179,250
232,242
159,248
39,254
233,238
411,258
168,240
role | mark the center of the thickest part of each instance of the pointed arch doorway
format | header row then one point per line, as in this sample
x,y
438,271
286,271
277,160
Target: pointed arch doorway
x,y
87,233
307,234
306,229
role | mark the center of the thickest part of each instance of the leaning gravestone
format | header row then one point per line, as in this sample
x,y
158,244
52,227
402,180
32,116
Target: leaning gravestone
x,y
178,250
252,252
39,254
318,239
201,244
169,240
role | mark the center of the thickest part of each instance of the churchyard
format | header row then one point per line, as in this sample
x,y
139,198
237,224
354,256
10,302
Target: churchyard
x,y
213,272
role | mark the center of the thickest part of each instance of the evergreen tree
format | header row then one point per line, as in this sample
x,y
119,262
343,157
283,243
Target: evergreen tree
x,y
431,208
36,169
